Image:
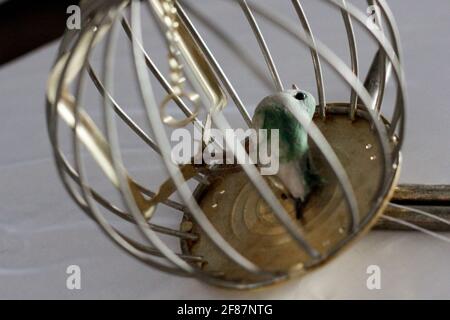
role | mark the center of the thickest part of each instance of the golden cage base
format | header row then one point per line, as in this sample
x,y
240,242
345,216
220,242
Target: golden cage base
x,y
243,218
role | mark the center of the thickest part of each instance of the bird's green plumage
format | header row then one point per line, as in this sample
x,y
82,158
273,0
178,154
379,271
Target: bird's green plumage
x,y
293,138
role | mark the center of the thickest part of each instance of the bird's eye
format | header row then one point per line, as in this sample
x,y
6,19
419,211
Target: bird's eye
x,y
300,96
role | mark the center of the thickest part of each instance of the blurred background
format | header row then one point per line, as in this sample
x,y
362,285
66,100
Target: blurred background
x,y
42,231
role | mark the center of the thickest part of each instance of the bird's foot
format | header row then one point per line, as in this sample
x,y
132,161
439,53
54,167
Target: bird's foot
x,y
299,206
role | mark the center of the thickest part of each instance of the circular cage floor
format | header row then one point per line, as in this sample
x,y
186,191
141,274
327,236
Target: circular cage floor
x,y
243,218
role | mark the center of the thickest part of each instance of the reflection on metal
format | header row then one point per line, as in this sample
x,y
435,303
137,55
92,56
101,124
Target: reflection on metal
x,y
237,227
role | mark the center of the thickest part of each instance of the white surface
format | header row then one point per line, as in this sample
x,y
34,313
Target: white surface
x,y
42,231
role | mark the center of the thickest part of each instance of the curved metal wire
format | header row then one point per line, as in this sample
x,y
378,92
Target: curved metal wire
x,y
315,57
353,56
230,42
380,69
399,111
120,111
263,45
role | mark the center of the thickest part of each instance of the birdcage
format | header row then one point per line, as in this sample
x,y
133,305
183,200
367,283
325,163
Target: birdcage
x,y
233,227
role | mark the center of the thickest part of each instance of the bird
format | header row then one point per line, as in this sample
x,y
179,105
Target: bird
x,y
296,168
